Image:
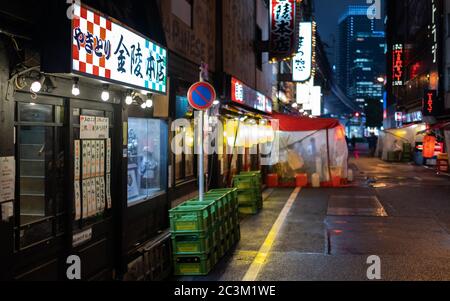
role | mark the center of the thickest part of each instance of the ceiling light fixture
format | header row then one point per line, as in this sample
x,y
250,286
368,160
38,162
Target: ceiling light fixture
x,y
36,86
75,87
129,97
105,93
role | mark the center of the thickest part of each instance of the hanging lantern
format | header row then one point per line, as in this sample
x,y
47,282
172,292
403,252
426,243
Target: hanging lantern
x,y
429,144
270,133
230,131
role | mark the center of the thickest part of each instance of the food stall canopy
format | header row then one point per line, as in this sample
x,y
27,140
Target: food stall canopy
x,y
290,123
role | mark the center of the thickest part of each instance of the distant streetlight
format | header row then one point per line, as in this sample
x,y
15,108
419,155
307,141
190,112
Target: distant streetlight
x,y
380,79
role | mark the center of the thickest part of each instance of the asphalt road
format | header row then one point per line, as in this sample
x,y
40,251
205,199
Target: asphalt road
x,y
328,234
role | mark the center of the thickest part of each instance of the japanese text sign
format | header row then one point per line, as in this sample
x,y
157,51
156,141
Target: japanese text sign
x,y
282,23
397,65
302,62
106,50
242,94
430,107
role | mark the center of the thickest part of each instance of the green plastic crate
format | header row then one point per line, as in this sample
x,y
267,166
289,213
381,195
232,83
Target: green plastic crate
x,y
232,191
256,174
235,219
231,194
245,182
188,218
227,225
225,200
248,196
253,209
193,265
215,211
237,233
195,243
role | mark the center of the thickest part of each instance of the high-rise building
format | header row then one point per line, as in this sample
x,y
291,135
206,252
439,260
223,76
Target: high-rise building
x,y
361,55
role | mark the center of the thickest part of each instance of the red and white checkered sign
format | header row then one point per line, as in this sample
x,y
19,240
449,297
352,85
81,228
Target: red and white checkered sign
x,y
104,49
100,27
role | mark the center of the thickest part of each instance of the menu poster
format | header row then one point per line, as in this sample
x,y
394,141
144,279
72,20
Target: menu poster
x,y
77,159
102,158
98,195
87,127
102,127
108,191
85,198
87,158
7,178
94,158
77,195
93,198
108,155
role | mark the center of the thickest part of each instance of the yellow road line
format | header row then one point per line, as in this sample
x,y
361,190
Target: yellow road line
x,y
260,259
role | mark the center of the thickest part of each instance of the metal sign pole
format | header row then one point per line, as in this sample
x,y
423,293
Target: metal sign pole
x,y
201,179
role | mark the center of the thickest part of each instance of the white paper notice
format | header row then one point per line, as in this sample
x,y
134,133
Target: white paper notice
x,y
77,194
7,211
7,178
108,191
77,159
102,158
102,127
85,199
87,127
108,156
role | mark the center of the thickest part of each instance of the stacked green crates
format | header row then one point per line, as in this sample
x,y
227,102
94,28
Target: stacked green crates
x,y
248,185
407,152
201,231
192,238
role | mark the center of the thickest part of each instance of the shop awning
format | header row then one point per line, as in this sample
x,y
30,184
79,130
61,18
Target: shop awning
x,y
290,123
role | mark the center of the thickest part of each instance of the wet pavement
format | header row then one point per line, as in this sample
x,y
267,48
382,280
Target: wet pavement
x,y
328,234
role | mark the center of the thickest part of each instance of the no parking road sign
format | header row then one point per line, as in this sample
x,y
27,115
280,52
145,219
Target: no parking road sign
x,y
201,96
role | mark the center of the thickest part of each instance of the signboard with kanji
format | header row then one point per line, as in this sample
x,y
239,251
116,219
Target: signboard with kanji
x,y
302,62
282,28
246,96
103,49
431,104
397,65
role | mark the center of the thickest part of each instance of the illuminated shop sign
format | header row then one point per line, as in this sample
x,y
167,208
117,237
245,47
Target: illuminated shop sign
x,y
397,66
244,95
412,117
430,103
302,62
282,24
434,16
108,51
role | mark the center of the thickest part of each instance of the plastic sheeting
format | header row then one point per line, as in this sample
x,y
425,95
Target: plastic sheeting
x,y
447,142
306,152
393,139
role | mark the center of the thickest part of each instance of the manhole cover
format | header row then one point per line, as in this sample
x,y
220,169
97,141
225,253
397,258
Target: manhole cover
x,y
347,205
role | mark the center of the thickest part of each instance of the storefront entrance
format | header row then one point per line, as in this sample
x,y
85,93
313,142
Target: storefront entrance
x,y
55,207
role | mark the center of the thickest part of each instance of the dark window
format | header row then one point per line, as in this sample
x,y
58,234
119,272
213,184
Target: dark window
x,y
259,58
40,172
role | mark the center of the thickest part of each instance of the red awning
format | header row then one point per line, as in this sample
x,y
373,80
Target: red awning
x,y
290,123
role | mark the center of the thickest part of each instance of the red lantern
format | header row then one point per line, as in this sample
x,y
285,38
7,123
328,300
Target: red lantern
x,y
429,144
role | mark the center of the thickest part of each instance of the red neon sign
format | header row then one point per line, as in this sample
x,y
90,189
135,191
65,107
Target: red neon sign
x,y
430,107
397,66
430,103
